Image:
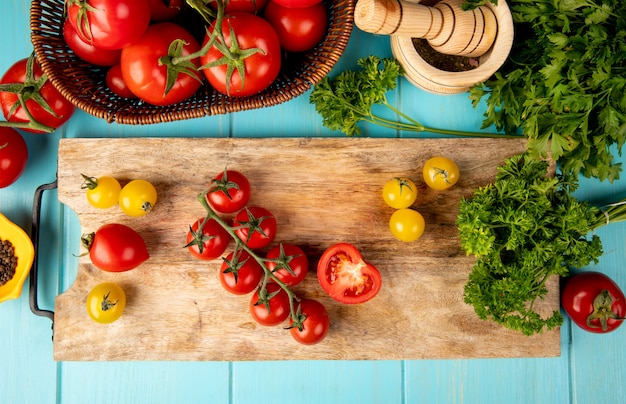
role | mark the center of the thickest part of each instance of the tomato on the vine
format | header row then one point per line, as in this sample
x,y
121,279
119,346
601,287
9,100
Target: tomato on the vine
x,y
13,156
164,10
399,192
346,276
594,302
312,323
137,198
229,191
440,173
115,247
106,302
299,28
45,104
102,192
115,82
86,50
288,263
255,226
246,63
240,273
407,225
109,24
298,3
270,306
149,70
245,6
207,239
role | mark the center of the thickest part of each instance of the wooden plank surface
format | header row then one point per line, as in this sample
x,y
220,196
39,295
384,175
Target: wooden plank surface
x,y
322,191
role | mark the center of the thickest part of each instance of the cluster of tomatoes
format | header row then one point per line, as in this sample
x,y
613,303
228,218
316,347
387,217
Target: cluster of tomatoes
x,y
407,224
244,271
115,247
153,55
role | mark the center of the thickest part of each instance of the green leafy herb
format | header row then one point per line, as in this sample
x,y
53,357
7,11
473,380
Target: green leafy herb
x,y
349,98
564,84
524,228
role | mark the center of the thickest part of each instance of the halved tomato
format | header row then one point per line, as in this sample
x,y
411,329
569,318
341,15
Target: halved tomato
x,y
346,276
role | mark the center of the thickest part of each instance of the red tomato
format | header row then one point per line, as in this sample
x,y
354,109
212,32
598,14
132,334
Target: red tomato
x,y
271,307
240,274
255,226
19,73
299,28
109,24
209,241
146,77
116,82
313,322
229,191
253,35
163,10
346,276
298,3
13,156
116,248
86,51
288,263
594,302
245,6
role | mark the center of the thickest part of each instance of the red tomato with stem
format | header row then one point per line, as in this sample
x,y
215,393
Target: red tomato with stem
x,y
270,306
594,302
86,51
299,28
13,156
145,64
109,24
229,191
312,323
246,63
288,263
255,226
207,239
346,276
25,80
116,247
116,82
298,3
240,274
164,10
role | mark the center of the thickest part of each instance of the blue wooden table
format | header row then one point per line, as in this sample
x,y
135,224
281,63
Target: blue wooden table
x,y
591,368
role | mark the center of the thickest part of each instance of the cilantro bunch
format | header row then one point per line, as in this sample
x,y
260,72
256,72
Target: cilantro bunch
x,y
564,83
524,228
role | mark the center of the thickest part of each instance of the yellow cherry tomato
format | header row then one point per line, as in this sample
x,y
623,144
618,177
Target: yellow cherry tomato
x,y
399,192
440,173
407,225
106,302
102,192
137,198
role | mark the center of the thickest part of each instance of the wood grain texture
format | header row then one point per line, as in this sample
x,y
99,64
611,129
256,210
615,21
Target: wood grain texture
x,y
322,191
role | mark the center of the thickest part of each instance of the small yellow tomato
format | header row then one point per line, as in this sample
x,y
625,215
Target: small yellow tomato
x,y
106,302
407,225
102,192
440,173
137,198
399,192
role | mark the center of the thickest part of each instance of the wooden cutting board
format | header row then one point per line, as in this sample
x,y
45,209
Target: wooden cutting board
x,y
322,191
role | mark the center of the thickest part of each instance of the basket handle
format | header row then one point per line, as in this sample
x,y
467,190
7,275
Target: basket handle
x,y
34,307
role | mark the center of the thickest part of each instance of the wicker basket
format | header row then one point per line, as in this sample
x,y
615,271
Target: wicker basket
x,y
84,84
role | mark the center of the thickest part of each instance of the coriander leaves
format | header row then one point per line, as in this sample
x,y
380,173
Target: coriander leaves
x,y
524,228
564,84
349,98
